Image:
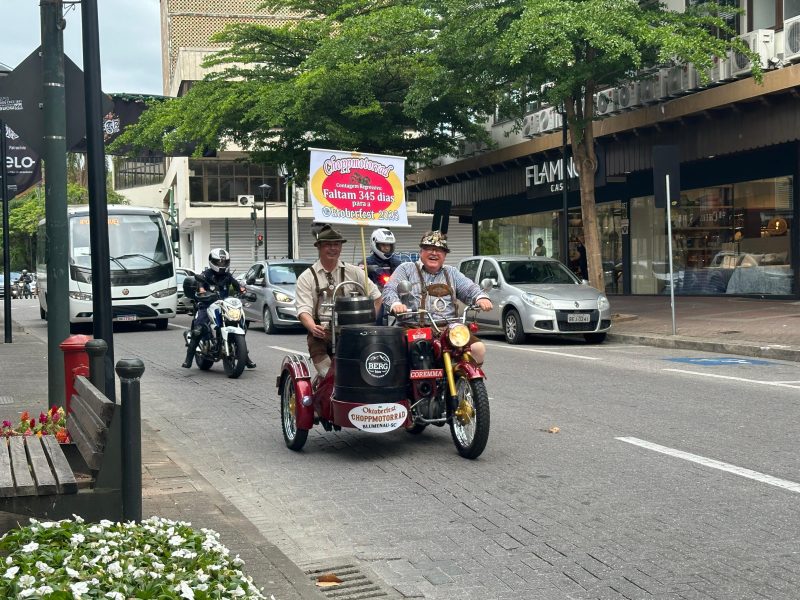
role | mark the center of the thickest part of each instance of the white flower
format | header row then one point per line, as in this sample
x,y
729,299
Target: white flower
x,y
115,569
186,591
72,572
48,525
76,539
27,580
202,577
45,589
44,568
9,560
106,523
202,587
176,540
238,592
158,566
80,588
170,576
95,529
77,519
30,547
27,592
9,574
115,596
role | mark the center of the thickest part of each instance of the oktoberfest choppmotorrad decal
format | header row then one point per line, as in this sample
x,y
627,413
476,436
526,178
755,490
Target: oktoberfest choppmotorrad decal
x,y
358,189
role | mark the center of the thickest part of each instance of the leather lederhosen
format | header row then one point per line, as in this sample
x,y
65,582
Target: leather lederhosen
x,y
436,289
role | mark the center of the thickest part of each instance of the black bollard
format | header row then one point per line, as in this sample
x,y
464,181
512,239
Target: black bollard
x,y
96,349
130,372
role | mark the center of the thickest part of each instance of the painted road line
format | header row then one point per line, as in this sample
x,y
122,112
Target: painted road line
x,y
790,384
565,354
290,351
792,486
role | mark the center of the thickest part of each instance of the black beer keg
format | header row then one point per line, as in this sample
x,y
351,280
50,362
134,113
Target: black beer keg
x,y
371,364
354,310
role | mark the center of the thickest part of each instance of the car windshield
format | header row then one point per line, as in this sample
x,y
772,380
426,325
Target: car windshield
x,y
535,271
286,274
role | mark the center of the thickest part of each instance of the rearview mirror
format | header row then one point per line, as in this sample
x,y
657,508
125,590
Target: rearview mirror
x,y
487,284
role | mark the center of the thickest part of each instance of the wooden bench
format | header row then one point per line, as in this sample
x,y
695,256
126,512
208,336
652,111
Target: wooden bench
x,y
40,477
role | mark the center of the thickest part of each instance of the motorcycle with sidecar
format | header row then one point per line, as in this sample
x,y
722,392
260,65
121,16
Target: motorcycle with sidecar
x,y
383,378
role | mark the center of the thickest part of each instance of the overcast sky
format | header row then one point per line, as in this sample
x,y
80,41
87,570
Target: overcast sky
x,y
130,42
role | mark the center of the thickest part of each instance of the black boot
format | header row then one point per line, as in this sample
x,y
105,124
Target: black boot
x,y
250,364
194,341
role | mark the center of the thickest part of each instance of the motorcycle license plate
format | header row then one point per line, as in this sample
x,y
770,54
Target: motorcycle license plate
x,y
426,374
126,318
585,318
422,333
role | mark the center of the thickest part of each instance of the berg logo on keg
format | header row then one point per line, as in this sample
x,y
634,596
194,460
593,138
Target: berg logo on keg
x,y
378,364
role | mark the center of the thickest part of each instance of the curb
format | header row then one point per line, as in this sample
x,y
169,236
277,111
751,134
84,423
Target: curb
x,y
684,343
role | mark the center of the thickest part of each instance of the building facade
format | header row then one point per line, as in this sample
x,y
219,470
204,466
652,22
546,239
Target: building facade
x,y
734,225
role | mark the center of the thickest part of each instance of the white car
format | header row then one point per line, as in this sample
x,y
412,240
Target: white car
x,y
538,295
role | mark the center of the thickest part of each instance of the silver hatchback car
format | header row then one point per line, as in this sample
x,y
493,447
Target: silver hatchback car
x,y
273,282
538,295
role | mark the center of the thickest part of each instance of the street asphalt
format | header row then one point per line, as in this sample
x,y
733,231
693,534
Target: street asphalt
x,y
175,489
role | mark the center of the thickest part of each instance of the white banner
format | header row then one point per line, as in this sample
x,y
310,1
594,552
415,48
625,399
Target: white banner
x,y
357,189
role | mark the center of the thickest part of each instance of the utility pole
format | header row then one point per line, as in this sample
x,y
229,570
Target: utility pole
x,y
55,159
4,196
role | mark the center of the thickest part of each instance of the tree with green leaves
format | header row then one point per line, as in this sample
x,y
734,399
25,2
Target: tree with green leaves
x,y
563,51
357,75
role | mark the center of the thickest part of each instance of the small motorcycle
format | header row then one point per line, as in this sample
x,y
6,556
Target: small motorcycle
x,y
226,340
15,290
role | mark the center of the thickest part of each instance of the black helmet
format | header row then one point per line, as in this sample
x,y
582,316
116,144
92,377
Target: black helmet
x,y
219,259
24,271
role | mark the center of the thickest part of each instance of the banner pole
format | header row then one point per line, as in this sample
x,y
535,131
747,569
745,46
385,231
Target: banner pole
x,y
364,259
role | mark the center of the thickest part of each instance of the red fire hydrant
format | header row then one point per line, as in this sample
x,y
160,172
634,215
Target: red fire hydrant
x,y
76,362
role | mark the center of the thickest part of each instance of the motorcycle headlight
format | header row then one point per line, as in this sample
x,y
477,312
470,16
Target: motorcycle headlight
x,y
165,293
81,296
458,335
538,301
603,303
234,314
281,297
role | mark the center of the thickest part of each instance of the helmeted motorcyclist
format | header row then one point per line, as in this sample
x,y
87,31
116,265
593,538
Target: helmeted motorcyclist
x,y
216,274
382,262
25,279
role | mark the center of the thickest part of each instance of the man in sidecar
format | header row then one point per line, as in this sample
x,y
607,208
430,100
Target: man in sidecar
x,y
318,282
435,288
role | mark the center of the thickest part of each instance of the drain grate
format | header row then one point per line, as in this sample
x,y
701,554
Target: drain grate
x,y
356,585
6,399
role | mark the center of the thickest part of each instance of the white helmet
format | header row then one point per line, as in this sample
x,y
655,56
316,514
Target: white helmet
x,y
382,236
219,259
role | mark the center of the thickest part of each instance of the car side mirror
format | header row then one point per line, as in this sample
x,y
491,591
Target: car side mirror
x,y
261,282
250,281
404,288
487,284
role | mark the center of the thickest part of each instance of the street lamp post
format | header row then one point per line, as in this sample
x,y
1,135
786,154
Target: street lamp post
x,y
265,190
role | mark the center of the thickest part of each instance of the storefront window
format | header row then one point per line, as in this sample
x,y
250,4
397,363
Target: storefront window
x,y
520,235
729,239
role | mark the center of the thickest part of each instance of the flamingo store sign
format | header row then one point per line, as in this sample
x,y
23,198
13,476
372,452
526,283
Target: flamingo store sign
x,y
357,189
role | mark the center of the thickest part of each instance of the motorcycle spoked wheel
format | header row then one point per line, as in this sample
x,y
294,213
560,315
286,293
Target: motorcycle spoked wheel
x,y
295,438
234,363
470,423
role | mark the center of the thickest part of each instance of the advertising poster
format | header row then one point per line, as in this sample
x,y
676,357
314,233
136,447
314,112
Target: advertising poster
x,y
357,189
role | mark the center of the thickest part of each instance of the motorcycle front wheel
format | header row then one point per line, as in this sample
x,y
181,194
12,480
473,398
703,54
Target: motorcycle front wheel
x,y
235,361
295,438
470,424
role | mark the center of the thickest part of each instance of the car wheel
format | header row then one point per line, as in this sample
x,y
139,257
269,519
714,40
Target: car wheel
x,y
269,324
512,327
595,338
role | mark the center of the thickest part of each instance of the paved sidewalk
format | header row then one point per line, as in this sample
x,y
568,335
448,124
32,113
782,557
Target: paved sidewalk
x,y
170,488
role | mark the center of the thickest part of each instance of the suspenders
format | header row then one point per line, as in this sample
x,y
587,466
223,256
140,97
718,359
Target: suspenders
x,y
424,299
319,292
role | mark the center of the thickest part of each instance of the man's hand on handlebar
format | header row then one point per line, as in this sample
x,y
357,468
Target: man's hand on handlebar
x,y
484,304
399,309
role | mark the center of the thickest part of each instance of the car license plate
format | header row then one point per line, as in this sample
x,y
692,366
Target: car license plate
x,y
579,318
126,318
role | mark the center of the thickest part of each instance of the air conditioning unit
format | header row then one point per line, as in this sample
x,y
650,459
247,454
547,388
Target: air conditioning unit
x,y
549,120
605,103
680,79
720,72
627,95
652,88
762,42
246,200
530,125
791,39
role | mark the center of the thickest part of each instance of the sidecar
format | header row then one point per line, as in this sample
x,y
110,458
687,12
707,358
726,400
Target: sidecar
x,y
365,388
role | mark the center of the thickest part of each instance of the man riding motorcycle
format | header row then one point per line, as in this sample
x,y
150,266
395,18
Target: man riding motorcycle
x,y
217,274
382,262
25,279
435,288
